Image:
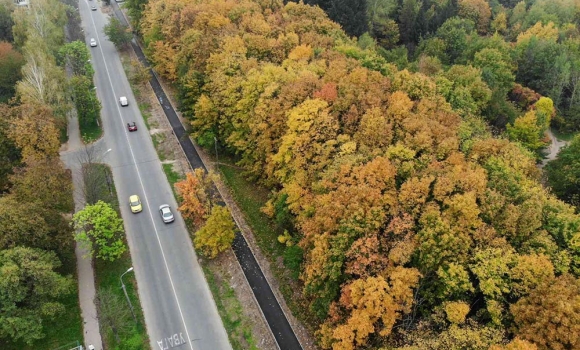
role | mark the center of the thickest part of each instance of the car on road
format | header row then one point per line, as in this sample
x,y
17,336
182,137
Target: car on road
x,y
135,204
93,42
166,213
94,8
123,101
132,126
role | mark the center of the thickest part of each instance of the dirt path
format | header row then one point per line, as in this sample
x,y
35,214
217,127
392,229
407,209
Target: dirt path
x,y
553,149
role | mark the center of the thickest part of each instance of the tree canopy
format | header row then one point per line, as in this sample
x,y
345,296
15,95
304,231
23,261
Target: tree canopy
x,y
417,223
30,288
118,34
100,229
35,189
217,234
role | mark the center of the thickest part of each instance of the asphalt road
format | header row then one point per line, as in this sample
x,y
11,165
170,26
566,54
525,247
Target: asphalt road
x,y
178,306
275,317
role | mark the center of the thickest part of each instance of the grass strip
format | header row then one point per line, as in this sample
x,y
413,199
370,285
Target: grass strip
x,y
107,276
230,309
250,199
90,132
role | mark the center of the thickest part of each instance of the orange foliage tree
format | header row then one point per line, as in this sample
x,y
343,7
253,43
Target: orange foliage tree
x,y
550,316
196,201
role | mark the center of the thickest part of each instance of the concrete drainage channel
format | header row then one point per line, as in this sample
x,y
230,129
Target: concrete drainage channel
x,y
269,305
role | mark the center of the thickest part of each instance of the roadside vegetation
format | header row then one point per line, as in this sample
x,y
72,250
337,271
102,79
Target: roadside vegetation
x,y
238,326
251,198
45,73
39,298
100,229
401,164
76,56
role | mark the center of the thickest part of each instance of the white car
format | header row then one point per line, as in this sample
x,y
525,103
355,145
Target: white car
x,y
93,42
166,213
123,101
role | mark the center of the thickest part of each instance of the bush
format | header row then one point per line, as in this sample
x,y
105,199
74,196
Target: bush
x,y
293,257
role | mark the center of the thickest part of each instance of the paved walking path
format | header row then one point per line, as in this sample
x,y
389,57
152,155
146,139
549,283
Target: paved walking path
x,y
85,271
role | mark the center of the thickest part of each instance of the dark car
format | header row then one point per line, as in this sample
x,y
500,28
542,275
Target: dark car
x,y
132,126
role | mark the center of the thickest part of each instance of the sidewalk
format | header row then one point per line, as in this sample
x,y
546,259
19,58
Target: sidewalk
x,y
85,271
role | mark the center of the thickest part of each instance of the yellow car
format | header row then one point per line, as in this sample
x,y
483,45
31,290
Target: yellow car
x,y
135,203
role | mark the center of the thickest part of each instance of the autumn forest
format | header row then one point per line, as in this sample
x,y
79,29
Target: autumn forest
x,y
401,156
402,143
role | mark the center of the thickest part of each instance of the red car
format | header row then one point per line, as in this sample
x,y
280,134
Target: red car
x,y
132,126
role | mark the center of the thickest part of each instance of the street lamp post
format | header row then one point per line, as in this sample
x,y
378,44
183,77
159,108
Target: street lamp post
x,y
216,153
126,295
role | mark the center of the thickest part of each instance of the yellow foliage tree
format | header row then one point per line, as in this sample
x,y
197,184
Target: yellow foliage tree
x,y
548,32
529,272
456,311
545,111
302,52
35,132
373,305
471,336
217,235
516,344
499,23
308,144
527,131
375,132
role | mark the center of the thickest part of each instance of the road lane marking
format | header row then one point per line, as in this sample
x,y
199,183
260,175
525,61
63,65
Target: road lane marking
x,y
171,341
141,183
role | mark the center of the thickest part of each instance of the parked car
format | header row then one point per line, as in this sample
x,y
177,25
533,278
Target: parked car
x,y
132,126
166,213
93,42
135,204
123,100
